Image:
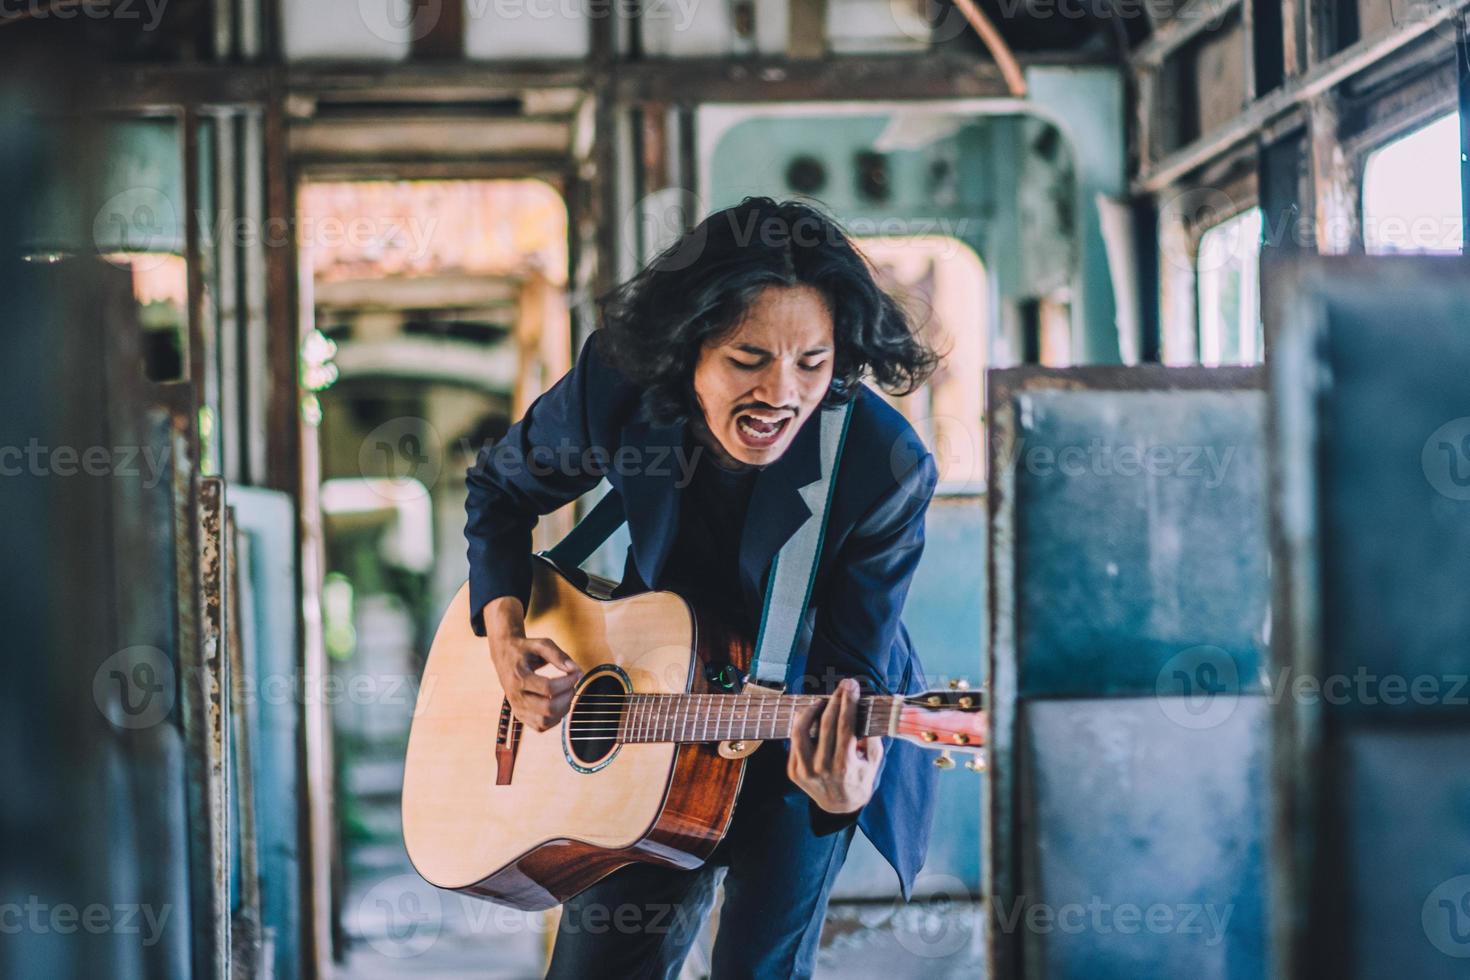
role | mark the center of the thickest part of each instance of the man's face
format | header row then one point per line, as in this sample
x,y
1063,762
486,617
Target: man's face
x,y
761,383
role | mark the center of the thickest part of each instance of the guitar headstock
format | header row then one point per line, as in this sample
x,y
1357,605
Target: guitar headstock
x,y
950,718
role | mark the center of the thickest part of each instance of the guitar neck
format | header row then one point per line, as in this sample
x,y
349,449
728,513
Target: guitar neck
x,y
722,718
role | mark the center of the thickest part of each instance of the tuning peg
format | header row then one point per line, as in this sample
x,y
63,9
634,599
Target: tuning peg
x,y
944,760
959,684
976,762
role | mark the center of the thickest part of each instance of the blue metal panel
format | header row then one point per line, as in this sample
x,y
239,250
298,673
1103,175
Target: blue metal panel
x,y
945,617
268,629
1148,846
1408,834
1130,607
1396,502
1370,419
1143,535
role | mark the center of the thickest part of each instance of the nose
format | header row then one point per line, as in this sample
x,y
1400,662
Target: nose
x,y
777,385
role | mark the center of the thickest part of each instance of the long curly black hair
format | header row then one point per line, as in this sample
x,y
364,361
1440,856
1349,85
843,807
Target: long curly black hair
x,y
698,290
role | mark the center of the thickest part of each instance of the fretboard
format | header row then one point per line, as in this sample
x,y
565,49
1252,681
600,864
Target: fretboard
x,y
726,717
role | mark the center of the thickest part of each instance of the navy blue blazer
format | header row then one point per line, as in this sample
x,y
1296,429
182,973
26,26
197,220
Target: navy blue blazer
x,y
590,425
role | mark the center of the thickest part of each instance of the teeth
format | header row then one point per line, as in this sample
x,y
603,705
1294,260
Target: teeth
x,y
755,433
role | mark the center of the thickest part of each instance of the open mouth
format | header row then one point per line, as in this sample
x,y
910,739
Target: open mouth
x,y
760,431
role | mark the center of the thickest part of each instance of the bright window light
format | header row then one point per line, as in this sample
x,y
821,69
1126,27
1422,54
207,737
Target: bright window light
x,y
1411,192
1228,269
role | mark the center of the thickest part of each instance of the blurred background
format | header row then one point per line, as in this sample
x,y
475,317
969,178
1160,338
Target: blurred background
x,y
272,271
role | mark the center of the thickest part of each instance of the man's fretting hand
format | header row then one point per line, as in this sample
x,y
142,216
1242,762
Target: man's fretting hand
x,y
836,769
538,696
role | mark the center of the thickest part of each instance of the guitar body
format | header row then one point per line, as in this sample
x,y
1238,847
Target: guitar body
x,y
529,819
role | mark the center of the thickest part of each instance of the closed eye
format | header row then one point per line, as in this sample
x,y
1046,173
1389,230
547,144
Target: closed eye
x,y
743,365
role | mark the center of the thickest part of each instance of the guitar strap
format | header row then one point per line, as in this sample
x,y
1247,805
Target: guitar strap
x,y
793,571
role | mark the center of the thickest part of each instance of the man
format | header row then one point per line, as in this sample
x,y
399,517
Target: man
x,y
724,351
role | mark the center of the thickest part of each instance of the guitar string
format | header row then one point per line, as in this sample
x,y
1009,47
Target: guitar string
x,y
612,722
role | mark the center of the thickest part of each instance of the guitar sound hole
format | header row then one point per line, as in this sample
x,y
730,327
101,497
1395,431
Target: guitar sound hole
x,y
594,720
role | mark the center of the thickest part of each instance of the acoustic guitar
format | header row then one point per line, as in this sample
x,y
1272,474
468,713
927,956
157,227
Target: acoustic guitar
x,y
646,763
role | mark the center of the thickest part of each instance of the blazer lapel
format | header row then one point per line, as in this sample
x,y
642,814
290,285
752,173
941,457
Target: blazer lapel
x,y
650,492
778,507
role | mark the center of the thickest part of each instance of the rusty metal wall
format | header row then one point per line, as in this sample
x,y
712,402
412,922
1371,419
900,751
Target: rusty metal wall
x,y
1129,618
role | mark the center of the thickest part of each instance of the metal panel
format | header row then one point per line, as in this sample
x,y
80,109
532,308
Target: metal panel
x,y
946,622
245,919
204,684
1149,845
1406,886
1370,436
1140,509
1143,588
267,524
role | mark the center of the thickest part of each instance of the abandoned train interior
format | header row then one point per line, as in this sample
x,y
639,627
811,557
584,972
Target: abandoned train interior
x,y
275,273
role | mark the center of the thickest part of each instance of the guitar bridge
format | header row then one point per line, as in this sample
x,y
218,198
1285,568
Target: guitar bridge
x,y
507,740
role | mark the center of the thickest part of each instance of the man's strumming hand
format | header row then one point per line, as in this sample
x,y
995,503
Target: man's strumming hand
x,y
538,676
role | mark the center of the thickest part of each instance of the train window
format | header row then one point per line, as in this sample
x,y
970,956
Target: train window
x,y
941,283
1227,268
1411,192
